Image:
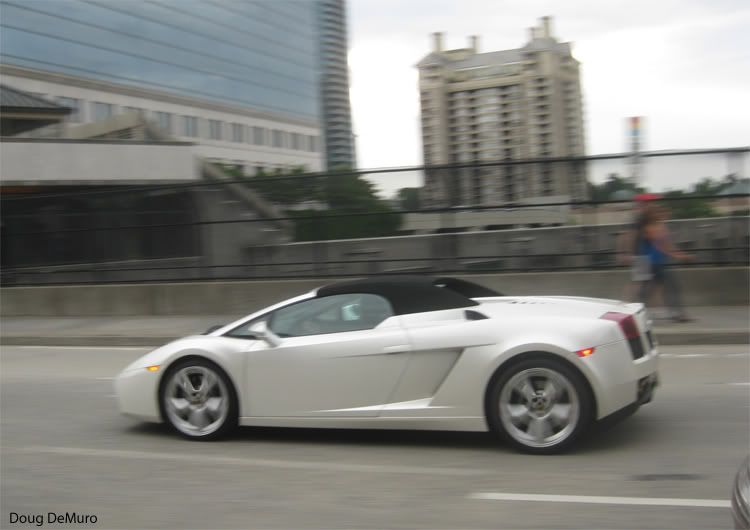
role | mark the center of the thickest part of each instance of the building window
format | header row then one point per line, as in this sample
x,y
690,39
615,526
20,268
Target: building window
x,y
312,144
296,141
238,132
214,129
259,136
277,138
136,110
75,107
190,126
102,111
164,121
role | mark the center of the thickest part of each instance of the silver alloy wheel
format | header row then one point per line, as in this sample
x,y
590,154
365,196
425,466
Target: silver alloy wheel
x,y
196,400
539,407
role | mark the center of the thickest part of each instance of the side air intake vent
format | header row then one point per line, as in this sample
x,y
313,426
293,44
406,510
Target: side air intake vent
x,y
474,315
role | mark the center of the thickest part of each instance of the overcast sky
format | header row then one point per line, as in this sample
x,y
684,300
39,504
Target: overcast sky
x,y
683,64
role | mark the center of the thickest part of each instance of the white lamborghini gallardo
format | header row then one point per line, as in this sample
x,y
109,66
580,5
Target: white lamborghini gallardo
x,y
405,353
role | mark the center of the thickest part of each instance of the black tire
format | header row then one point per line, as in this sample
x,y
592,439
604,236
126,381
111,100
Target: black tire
x,y
218,404
527,403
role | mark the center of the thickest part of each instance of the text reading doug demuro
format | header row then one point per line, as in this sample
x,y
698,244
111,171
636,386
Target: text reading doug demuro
x,y
52,518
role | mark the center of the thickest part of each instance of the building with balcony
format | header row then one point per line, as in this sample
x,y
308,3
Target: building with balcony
x,y
516,108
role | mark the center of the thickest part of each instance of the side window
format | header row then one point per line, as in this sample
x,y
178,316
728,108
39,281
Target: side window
x,y
330,314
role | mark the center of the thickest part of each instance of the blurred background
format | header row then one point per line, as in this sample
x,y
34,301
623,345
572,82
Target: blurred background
x,y
174,140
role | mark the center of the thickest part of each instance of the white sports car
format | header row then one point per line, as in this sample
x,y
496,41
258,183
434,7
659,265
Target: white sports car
x,y
405,353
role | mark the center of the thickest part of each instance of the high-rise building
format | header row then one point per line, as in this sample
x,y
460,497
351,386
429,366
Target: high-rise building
x,y
334,85
241,79
505,106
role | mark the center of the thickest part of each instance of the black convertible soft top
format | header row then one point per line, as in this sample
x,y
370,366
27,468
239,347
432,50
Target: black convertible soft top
x,y
414,294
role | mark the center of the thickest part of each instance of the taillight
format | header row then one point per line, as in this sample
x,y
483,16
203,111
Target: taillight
x,y
626,322
629,329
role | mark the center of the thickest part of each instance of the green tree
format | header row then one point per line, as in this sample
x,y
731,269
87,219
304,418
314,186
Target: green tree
x,y
408,198
353,207
354,210
289,188
347,191
708,186
688,207
696,203
613,184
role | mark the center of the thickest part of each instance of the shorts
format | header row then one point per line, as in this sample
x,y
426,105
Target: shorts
x,y
641,269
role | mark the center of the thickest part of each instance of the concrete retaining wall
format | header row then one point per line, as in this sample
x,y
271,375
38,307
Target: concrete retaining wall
x,y
701,287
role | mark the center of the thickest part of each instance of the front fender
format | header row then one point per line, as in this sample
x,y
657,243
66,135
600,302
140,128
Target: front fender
x,y
138,389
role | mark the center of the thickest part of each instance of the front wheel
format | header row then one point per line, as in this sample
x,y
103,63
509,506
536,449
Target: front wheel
x,y
198,400
540,405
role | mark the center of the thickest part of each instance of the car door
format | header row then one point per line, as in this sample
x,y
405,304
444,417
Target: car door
x,y
438,339
338,356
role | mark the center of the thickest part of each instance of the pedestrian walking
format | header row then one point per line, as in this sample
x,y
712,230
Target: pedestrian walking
x,y
657,247
630,246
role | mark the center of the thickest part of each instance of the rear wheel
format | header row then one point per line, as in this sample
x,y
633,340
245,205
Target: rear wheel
x,y
198,400
540,405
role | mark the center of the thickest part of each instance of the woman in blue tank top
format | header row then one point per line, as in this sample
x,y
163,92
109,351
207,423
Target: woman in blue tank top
x,y
655,243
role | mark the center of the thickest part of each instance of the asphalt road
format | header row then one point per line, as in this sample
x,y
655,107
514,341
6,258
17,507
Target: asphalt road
x,y
65,448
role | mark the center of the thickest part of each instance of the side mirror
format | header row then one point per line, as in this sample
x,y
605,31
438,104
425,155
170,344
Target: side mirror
x,y
261,331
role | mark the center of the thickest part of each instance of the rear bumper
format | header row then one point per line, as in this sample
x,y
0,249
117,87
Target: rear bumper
x,y
646,387
619,380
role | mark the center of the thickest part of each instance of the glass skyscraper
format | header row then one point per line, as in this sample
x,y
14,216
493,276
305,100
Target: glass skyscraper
x,y
334,86
261,54
258,84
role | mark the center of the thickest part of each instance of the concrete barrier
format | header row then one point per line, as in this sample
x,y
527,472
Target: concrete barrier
x,y
720,286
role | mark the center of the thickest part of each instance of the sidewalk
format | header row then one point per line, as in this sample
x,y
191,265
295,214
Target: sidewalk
x,y
712,325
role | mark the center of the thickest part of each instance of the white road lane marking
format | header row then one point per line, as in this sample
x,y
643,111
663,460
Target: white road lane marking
x,y
31,346
632,501
39,346
702,355
252,462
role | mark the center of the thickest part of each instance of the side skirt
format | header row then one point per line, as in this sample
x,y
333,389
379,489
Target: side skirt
x,y
473,424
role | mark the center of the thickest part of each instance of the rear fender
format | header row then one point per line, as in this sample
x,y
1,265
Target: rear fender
x,y
521,351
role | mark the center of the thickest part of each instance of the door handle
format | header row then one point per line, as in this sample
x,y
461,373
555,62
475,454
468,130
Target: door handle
x,y
401,348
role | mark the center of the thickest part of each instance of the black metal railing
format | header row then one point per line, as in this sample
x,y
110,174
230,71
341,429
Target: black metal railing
x,y
198,231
